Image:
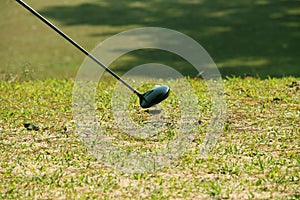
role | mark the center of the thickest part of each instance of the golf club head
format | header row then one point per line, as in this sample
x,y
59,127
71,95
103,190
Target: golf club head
x,y
154,96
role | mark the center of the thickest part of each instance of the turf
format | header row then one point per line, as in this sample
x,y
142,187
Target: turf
x,y
257,156
257,38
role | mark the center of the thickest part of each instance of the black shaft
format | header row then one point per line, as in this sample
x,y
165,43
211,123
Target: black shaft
x,y
76,45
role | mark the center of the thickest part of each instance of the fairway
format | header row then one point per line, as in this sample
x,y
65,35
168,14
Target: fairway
x,y
255,45
257,38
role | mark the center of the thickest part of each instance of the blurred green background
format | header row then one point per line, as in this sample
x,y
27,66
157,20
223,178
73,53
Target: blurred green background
x,y
245,38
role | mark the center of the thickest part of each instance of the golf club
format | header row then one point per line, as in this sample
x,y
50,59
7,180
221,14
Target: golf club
x,y
147,99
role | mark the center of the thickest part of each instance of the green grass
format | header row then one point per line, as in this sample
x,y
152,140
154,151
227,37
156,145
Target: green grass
x,y
247,37
257,156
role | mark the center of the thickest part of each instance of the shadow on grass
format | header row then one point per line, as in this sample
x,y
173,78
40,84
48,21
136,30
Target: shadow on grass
x,y
245,38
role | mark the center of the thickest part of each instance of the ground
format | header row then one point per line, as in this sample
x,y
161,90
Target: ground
x,y
257,156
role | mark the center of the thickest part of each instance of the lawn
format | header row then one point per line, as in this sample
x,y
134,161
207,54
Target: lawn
x,y
257,156
247,37
255,45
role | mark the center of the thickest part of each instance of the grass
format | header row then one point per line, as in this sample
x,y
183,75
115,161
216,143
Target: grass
x,y
257,156
244,38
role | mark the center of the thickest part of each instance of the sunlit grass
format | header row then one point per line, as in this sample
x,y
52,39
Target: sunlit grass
x,y
257,156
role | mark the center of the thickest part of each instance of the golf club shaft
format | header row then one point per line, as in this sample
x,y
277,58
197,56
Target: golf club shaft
x,y
76,45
